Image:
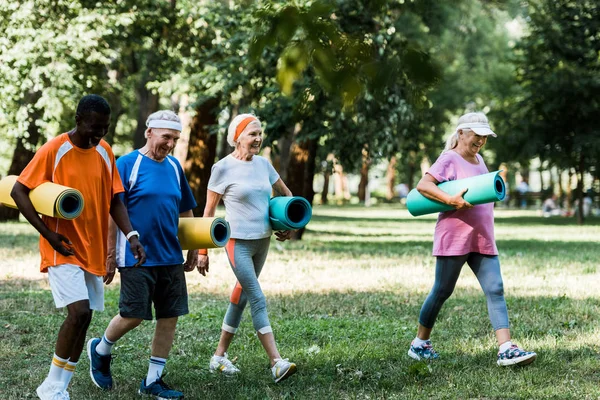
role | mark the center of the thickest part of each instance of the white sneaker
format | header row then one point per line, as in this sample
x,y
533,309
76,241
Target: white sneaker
x,y
52,390
283,369
222,364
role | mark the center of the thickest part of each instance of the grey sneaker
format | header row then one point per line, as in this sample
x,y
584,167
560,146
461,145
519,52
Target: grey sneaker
x,y
283,369
222,364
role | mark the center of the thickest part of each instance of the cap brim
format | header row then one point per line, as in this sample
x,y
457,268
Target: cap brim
x,y
483,131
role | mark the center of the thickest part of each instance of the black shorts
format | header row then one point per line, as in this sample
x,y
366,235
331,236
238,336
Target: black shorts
x,y
164,286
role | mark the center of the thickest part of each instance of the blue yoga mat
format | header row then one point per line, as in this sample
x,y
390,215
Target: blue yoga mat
x,y
289,213
486,188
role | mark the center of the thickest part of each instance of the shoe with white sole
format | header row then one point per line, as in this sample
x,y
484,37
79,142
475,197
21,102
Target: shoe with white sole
x,y
283,369
515,356
223,364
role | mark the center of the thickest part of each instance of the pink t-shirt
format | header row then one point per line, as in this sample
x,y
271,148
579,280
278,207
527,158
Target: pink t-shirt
x,y
460,232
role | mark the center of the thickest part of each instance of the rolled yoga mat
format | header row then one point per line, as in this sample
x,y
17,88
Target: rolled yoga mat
x,y
289,213
485,188
49,198
203,233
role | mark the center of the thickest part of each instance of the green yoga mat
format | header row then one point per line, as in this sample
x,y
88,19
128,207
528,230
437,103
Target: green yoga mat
x,y
289,213
485,188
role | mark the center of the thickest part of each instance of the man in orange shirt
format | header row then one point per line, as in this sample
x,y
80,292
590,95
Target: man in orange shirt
x,y
74,252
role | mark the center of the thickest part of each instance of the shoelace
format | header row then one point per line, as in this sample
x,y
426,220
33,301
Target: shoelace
x,y
105,366
163,385
225,361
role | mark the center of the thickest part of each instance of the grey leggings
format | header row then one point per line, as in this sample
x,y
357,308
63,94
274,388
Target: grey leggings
x,y
247,258
487,271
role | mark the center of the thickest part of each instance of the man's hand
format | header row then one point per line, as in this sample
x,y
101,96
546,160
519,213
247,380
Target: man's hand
x,y
56,240
111,267
138,251
203,264
191,261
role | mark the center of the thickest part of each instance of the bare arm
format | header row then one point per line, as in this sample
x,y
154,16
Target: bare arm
x,y
281,188
427,186
20,194
119,214
212,201
111,259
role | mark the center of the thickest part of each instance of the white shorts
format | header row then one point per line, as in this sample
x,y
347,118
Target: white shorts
x,y
70,283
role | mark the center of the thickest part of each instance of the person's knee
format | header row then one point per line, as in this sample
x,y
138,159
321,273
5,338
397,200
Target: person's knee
x,y
442,293
166,324
79,315
495,289
130,323
258,303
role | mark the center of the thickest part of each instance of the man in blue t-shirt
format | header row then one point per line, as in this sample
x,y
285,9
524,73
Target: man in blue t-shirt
x,y
156,196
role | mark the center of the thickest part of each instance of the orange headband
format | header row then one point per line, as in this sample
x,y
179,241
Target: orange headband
x,y
240,128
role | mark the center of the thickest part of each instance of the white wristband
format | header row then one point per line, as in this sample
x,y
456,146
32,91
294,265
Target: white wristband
x,y
132,233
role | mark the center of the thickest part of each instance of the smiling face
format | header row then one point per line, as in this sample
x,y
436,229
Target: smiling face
x,y
469,143
91,128
250,141
161,141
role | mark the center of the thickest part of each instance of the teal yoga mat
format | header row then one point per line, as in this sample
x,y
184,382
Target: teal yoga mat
x,y
289,213
485,188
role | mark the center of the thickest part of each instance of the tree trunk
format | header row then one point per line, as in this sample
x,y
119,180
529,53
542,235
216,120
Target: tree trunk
x,y
24,151
569,190
202,150
580,173
147,104
224,147
301,173
326,176
364,177
284,159
390,179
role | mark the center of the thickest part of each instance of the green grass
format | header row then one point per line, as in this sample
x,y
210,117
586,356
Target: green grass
x,y
344,304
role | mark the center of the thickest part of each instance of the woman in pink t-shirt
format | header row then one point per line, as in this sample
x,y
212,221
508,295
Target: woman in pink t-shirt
x,y
465,234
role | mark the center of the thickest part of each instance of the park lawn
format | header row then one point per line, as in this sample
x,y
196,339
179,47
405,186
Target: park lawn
x,y
344,304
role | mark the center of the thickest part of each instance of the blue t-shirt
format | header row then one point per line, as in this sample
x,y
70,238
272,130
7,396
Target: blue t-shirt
x,y
155,194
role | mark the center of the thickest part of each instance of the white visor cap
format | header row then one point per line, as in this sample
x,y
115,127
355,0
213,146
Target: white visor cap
x,y
482,129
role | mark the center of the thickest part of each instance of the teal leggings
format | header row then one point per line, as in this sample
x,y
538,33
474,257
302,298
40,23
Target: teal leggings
x,y
247,258
487,271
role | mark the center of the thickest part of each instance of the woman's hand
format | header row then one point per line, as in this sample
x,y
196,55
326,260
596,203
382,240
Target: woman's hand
x,y
203,264
282,236
458,202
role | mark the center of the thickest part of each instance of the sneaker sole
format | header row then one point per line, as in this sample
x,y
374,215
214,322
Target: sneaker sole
x,y
417,357
89,353
413,355
520,361
157,397
291,371
226,374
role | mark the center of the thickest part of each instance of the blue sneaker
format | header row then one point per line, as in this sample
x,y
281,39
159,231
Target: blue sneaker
x,y
160,390
515,356
424,352
99,366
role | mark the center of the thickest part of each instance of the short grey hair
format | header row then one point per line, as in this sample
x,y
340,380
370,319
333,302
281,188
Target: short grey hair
x,y
234,124
471,117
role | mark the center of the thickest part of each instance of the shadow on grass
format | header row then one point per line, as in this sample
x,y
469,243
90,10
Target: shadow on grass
x,y
346,344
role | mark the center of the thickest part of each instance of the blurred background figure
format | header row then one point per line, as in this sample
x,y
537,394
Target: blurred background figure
x,y
550,207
